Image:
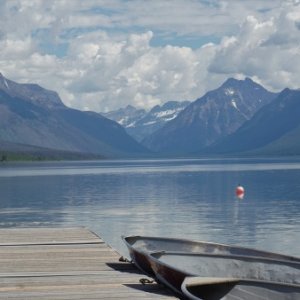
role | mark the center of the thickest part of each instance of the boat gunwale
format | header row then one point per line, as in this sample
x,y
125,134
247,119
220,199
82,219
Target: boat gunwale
x,y
260,253
152,256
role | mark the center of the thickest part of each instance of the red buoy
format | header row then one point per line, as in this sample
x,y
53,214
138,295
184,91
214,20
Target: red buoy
x,y
240,192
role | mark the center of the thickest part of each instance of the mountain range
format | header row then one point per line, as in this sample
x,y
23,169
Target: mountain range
x,y
140,123
274,129
238,118
32,115
210,118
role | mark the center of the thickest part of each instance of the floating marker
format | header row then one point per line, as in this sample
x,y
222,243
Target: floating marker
x,y
240,192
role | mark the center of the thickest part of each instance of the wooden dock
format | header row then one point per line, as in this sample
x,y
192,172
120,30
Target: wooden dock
x,y
67,263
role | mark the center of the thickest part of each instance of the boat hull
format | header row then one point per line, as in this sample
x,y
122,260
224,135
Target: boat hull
x,y
140,246
196,288
171,268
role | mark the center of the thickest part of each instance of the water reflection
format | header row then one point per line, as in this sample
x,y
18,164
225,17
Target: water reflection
x,y
181,198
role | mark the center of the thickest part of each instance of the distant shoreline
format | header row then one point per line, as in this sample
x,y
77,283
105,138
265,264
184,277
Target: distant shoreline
x,y
7,156
60,155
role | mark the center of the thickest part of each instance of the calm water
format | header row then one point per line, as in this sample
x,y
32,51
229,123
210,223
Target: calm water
x,y
179,198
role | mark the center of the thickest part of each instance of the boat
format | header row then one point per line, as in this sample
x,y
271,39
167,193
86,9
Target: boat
x,y
171,268
140,246
215,288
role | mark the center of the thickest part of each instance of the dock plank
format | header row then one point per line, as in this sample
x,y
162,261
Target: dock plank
x,y
67,263
27,236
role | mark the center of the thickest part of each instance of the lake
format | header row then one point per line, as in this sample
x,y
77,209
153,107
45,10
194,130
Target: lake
x,y
185,198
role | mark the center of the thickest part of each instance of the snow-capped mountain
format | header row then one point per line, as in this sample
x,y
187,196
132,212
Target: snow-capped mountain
x,y
139,123
210,118
127,116
238,117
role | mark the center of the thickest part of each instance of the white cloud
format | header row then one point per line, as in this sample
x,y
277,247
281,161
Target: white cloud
x,y
268,50
12,49
107,59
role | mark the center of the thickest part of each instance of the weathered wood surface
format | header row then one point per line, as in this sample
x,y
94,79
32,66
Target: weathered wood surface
x,y
67,263
45,236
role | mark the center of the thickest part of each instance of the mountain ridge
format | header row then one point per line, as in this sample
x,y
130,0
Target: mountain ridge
x,y
30,114
240,117
139,123
270,126
211,117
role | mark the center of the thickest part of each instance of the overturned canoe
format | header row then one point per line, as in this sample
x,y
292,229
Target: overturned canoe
x,y
206,288
171,268
140,246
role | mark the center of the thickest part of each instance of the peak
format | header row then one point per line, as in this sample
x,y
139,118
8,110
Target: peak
x,y
30,92
170,103
130,107
288,91
3,83
231,82
155,109
1,76
248,79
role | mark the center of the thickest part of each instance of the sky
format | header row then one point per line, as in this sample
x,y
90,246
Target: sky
x,y
101,55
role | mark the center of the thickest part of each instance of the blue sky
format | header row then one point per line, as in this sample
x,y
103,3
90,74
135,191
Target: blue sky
x,y
104,54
